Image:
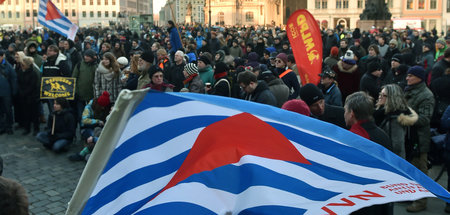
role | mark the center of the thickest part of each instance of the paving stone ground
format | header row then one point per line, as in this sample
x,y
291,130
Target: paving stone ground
x,y
50,178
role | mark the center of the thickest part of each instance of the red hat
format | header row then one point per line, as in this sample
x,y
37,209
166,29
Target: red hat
x,y
103,100
334,51
298,106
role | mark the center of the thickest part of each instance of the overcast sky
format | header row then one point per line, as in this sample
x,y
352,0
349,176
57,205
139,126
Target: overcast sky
x,y
157,4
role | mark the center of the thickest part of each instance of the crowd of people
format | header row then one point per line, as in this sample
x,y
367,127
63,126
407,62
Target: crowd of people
x,y
388,86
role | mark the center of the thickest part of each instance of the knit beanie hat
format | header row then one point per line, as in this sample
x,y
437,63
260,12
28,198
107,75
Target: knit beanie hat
x,y
147,56
441,41
103,100
397,58
221,67
393,41
204,59
310,93
122,61
298,106
334,51
153,69
283,57
90,53
191,68
349,57
373,66
429,46
417,71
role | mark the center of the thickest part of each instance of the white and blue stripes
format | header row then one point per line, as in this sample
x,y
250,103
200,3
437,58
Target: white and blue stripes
x,y
62,26
159,135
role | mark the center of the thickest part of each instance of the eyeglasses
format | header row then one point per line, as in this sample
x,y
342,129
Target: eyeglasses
x,y
382,95
278,61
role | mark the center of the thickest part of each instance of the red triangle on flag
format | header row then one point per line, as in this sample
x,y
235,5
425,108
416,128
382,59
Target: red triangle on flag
x,y
52,12
226,141
1,1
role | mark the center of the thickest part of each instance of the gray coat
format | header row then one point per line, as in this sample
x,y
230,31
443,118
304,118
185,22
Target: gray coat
x,y
279,90
421,100
395,126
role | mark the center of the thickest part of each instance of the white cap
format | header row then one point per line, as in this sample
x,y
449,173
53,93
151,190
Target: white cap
x,y
122,60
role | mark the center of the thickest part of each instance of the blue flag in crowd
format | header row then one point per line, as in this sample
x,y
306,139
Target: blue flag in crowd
x,y
184,153
50,17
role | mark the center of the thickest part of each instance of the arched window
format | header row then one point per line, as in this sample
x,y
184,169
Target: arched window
x,y
249,17
221,18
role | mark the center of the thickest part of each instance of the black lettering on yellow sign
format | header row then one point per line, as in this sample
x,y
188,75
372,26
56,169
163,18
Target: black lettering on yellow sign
x,y
58,87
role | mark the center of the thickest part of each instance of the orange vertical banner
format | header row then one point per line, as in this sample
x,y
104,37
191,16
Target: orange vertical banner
x,y
306,43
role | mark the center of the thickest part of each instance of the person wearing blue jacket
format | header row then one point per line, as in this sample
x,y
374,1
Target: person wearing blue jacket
x,y
175,40
8,87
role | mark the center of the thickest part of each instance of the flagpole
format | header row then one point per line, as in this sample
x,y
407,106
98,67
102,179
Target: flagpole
x,y
32,14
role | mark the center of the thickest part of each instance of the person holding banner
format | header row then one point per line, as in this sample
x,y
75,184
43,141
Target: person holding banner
x,y
60,127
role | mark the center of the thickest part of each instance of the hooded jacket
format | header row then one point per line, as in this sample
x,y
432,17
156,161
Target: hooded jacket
x,y
56,67
395,125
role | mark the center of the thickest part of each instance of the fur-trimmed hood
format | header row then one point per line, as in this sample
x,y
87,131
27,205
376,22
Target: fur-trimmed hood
x,y
408,119
351,70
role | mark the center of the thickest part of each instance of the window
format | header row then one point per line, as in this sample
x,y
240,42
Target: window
x,y
65,1
338,4
317,4
345,4
9,3
34,13
99,2
409,4
106,2
28,1
113,2
66,12
27,13
114,14
17,2
83,2
433,4
9,14
3,14
17,14
99,14
57,1
432,24
91,2
106,13
249,16
360,4
221,18
421,4
84,13
73,12
324,4
91,14
448,6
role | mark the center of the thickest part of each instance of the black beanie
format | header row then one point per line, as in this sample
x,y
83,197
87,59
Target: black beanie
x,y
221,67
153,69
417,71
204,59
310,93
373,66
147,56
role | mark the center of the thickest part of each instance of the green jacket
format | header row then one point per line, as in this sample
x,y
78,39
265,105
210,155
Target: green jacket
x,y
421,100
207,75
84,73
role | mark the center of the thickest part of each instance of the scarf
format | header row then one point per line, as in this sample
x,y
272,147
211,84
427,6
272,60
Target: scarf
x,y
220,75
189,79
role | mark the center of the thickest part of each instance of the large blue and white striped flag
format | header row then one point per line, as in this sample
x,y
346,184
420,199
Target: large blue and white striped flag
x,y
183,153
50,17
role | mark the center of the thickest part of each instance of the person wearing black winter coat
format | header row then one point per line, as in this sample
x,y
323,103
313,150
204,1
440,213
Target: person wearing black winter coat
x,y
28,95
370,81
256,91
60,128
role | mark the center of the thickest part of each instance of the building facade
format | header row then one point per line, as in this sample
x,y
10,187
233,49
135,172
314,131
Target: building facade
x,y
244,12
183,11
23,13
